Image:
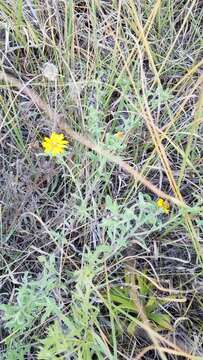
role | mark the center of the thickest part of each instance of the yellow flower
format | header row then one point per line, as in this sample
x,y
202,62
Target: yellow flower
x,y
119,135
164,205
55,144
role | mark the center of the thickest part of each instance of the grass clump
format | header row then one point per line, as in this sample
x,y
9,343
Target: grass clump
x,y
101,233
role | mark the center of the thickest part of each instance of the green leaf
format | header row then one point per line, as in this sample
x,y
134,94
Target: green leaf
x,y
151,305
132,328
112,205
144,286
162,320
121,297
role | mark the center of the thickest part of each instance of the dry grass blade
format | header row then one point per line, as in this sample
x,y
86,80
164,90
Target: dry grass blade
x,y
167,351
162,154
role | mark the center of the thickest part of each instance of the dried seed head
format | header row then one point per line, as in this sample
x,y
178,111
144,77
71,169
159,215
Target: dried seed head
x,y
50,71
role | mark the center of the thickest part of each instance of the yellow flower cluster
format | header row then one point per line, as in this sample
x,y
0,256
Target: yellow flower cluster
x,y
119,135
163,205
54,145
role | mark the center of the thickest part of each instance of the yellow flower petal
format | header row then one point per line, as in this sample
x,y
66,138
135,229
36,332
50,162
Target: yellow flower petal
x,y
119,135
163,205
54,145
